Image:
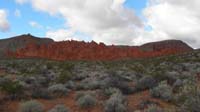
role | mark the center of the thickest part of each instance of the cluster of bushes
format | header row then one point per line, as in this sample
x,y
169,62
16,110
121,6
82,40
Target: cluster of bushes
x,y
31,106
13,88
35,106
117,81
56,79
163,91
58,90
188,97
146,82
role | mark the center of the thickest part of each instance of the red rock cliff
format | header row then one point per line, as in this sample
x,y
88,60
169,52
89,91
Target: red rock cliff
x,y
76,50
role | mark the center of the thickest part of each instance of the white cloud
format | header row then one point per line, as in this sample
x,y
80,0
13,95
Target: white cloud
x,y
111,22
17,13
103,20
61,34
176,19
4,24
35,24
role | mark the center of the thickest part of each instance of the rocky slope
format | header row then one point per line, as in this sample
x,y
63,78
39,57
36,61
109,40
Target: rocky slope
x,y
167,44
79,50
14,43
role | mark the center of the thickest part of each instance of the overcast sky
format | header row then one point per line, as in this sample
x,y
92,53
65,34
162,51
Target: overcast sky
x,y
124,22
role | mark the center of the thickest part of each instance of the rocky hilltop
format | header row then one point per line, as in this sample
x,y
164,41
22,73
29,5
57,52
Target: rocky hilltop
x,y
27,46
18,42
166,44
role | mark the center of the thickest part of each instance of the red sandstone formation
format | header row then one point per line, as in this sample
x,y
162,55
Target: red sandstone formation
x,y
76,50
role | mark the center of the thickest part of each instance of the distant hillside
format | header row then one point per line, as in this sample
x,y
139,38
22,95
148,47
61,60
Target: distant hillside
x,y
166,44
21,41
27,46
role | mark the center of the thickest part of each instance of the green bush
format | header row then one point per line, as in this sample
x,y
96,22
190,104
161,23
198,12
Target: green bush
x,y
31,106
163,91
66,65
64,76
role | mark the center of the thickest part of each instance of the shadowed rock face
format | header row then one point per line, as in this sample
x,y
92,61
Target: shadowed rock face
x,y
79,50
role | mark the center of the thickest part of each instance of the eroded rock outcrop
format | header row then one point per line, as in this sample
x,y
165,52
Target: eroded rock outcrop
x,y
79,50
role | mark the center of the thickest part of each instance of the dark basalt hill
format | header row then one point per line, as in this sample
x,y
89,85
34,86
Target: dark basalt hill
x,y
27,46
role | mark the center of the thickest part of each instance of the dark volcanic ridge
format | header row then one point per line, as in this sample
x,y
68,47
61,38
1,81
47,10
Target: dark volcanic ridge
x,y
28,46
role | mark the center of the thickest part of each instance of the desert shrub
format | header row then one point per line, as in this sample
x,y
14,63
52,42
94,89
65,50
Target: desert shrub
x,y
177,84
125,88
80,94
117,81
154,108
145,103
110,91
171,109
66,65
116,103
57,90
30,80
42,80
93,84
13,88
31,106
70,85
191,104
41,93
163,91
158,74
146,82
59,108
89,83
189,97
86,100
64,76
